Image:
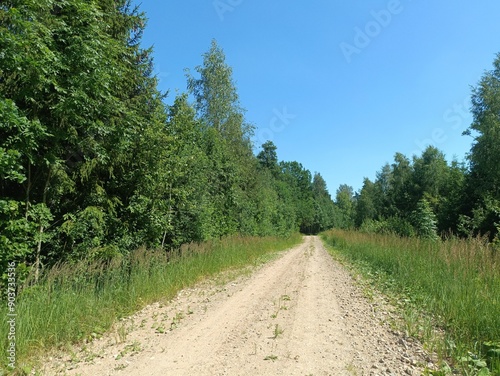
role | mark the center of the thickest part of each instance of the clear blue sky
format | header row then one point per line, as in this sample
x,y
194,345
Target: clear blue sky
x,y
338,85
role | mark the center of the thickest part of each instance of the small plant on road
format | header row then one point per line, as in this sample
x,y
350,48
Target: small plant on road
x,y
271,357
132,349
283,298
160,329
277,331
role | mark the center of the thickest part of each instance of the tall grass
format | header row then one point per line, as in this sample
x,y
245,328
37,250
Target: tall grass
x,y
76,302
457,281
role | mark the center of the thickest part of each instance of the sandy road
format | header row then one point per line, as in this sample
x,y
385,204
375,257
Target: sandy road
x,y
300,314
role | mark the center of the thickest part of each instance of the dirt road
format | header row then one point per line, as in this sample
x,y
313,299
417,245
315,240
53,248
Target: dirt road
x,y
300,314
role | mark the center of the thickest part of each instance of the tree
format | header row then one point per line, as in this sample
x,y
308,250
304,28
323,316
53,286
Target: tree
x,y
484,157
401,193
19,218
344,201
325,207
485,128
216,98
227,139
430,172
431,175
298,180
75,72
268,158
366,208
453,198
424,221
383,185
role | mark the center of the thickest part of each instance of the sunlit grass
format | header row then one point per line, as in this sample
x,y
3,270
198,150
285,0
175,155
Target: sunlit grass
x,y
456,281
77,302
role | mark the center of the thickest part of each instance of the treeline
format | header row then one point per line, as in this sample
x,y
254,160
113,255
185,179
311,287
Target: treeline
x,y
94,164
427,196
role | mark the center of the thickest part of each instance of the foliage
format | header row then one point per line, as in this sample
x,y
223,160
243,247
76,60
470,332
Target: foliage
x,y
94,164
424,221
485,128
422,197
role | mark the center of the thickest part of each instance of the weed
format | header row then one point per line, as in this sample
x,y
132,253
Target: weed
x,y
122,333
280,306
351,369
176,320
285,298
132,349
160,329
90,356
271,357
120,367
277,331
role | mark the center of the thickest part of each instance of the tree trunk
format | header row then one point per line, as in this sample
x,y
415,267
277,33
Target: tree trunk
x,y
28,192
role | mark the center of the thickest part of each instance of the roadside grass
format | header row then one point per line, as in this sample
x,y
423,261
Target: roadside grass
x,y
75,303
451,287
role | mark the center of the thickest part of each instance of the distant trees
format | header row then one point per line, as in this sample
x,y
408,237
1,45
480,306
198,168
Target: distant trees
x,y
344,213
93,163
427,195
421,196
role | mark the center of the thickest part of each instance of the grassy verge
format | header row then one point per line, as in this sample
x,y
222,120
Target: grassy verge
x,y
75,303
456,283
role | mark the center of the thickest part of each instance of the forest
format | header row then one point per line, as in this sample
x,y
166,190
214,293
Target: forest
x,y
111,199
427,196
94,164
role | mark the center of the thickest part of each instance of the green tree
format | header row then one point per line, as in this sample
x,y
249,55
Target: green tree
x,y
366,208
430,173
76,72
383,186
227,140
298,180
431,180
344,201
268,158
484,157
325,207
424,220
453,199
401,194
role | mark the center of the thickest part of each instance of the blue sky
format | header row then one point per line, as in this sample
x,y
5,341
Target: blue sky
x,y
339,86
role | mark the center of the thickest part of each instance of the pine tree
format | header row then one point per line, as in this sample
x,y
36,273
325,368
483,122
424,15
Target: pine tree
x,y
424,220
